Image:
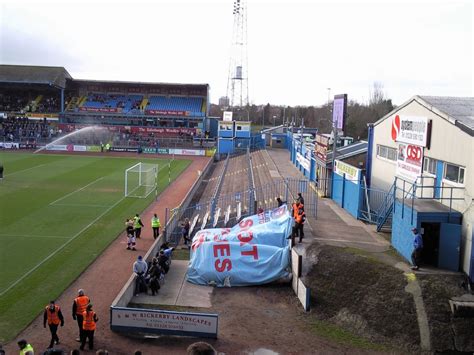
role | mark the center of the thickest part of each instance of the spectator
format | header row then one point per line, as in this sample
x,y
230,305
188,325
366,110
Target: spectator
x,y
53,316
300,198
78,307
185,231
101,352
164,259
201,348
154,274
25,348
140,268
75,352
417,249
89,325
280,202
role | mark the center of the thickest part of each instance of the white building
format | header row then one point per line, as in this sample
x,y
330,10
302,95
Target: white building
x,y
430,140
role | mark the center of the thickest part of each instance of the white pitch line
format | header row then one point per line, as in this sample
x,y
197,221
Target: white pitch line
x,y
20,171
60,248
31,236
79,205
71,193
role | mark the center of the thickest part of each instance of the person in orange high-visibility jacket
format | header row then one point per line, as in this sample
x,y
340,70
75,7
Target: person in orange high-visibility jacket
x,y
78,307
53,316
88,326
299,217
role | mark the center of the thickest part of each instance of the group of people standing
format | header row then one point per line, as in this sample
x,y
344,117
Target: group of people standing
x,y
133,227
82,312
150,275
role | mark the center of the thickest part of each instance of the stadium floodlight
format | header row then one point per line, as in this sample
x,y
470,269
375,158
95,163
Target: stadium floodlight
x,y
141,180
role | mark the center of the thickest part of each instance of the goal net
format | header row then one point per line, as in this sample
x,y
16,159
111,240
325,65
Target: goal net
x,y
140,180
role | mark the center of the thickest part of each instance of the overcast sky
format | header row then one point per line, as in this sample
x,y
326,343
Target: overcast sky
x,y
296,49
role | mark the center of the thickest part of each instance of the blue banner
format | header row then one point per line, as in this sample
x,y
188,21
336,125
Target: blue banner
x,y
255,251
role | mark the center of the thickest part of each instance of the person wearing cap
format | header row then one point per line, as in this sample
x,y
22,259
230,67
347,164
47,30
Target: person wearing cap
x,y
89,324
53,316
140,267
78,307
417,249
25,348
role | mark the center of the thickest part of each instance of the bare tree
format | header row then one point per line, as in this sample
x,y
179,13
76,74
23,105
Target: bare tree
x,y
376,94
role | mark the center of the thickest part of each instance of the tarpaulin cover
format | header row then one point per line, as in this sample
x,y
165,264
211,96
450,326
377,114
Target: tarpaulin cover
x,y
255,251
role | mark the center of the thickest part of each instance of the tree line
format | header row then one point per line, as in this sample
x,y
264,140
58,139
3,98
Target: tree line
x,y
358,114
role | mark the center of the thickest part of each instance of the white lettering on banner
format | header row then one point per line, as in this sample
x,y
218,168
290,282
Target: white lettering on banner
x,y
9,145
305,163
61,147
80,148
410,130
187,151
352,173
409,161
156,321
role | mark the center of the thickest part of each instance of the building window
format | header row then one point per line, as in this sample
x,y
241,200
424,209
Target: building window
x,y
429,165
454,173
386,152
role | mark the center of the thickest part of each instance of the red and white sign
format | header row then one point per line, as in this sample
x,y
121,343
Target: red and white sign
x,y
409,161
100,109
195,152
410,129
168,113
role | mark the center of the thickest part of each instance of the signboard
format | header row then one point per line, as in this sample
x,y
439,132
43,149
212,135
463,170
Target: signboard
x,y
339,109
352,173
321,147
168,113
93,148
409,160
163,322
60,147
9,145
410,130
305,163
195,152
100,109
227,116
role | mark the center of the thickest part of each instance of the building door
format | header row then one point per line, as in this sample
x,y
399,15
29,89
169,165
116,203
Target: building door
x,y
449,246
431,232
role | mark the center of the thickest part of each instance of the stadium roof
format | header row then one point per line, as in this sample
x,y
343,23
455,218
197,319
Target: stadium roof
x,y
457,110
33,74
145,83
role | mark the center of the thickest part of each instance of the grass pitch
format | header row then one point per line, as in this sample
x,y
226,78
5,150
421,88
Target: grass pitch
x,y
57,214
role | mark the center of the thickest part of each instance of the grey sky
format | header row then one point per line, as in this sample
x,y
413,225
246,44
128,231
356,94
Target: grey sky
x,y
297,49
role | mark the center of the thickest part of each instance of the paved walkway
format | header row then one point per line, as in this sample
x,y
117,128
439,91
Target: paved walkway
x,y
333,225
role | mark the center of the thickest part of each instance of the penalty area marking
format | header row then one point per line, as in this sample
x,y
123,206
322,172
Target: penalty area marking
x,y
60,248
80,189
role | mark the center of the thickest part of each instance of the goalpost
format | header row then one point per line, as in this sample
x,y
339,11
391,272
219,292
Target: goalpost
x,y
140,180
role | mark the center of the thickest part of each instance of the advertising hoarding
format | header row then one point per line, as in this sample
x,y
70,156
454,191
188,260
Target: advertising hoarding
x,y
339,111
305,163
227,116
352,173
409,161
410,130
163,322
